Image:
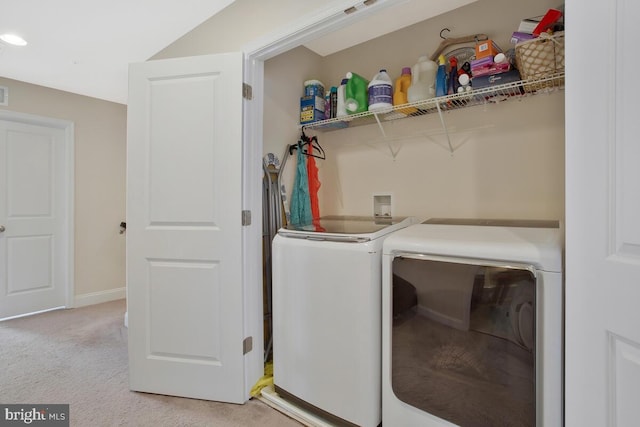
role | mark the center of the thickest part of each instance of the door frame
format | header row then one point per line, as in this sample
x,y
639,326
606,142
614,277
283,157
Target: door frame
x,y
256,52
69,184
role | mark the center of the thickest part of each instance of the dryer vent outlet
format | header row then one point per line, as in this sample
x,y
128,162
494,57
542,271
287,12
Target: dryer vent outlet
x,y
382,205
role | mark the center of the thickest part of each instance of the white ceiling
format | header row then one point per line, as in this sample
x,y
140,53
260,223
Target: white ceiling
x,y
85,46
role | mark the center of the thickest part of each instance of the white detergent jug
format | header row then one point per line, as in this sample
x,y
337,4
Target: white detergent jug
x,y
423,80
380,92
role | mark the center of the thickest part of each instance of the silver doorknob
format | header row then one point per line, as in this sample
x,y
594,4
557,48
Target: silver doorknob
x,y
2,228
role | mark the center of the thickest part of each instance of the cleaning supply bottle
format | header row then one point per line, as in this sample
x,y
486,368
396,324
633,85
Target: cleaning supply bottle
x,y
341,108
380,90
327,104
402,86
441,77
356,98
401,91
453,75
423,80
333,100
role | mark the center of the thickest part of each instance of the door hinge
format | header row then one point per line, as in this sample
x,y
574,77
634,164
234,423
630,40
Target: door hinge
x,y
247,345
246,217
247,91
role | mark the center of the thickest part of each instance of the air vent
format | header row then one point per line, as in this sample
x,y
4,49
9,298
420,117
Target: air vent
x,y
4,95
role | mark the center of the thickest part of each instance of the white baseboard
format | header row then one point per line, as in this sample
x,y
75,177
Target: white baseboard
x,y
100,297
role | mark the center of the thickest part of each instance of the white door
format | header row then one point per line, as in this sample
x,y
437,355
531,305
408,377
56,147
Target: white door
x,y
184,228
34,217
603,215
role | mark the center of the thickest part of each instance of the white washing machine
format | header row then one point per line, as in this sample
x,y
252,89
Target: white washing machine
x,y
326,316
472,324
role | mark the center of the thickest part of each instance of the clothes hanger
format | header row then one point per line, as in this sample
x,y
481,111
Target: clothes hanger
x,y
310,142
315,144
449,41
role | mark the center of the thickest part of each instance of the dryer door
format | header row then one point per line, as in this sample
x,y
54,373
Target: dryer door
x,y
465,350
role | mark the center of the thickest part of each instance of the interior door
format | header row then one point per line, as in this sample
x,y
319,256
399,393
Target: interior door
x,y
184,251
34,272
603,215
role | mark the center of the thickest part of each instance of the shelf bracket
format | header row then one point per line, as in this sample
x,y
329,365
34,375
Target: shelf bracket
x,y
390,144
384,134
444,127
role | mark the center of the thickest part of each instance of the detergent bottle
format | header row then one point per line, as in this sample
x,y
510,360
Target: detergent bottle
x,y
423,80
380,91
401,90
441,77
341,108
402,86
333,100
356,97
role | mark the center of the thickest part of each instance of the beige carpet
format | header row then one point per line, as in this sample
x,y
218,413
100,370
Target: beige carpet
x,y
79,357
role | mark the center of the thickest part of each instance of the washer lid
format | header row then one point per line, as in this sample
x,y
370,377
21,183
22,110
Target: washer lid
x,y
533,245
528,223
346,228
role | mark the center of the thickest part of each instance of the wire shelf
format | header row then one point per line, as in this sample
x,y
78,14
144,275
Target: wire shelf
x,y
493,94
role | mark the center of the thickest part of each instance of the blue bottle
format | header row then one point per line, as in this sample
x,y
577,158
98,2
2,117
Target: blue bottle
x,y
441,77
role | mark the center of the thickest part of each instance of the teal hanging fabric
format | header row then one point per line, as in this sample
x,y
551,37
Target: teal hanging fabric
x,y
300,198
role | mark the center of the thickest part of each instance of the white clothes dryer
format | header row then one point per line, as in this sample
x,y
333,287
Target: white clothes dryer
x,y
327,280
472,324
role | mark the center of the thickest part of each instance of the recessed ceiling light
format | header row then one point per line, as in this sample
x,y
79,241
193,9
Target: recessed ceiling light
x,y
13,39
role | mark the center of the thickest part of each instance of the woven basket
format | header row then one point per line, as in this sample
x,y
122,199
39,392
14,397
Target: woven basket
x,y
539,58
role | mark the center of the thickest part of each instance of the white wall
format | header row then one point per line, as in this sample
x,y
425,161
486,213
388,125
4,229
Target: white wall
x,y
512,169
100,158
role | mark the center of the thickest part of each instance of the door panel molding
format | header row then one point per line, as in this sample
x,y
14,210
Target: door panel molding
x,y
624,380
624,149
